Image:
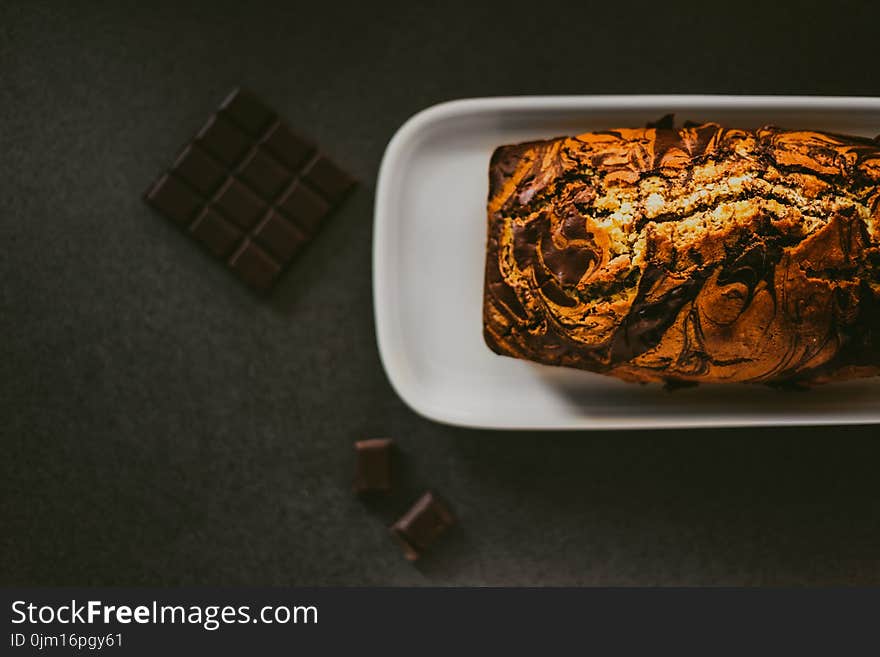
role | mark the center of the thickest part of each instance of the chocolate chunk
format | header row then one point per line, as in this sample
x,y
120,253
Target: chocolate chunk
x,y
373,468
249,189
421,526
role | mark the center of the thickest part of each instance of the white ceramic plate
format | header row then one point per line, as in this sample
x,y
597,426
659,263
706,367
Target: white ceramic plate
x,y
428,260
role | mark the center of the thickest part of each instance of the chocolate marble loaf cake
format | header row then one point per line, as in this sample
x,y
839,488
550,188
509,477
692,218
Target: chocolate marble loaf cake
x,y
700,254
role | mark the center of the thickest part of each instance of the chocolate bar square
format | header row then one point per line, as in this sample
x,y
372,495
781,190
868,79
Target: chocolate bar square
x,y
304,206
291,149
238,203
201,172
217,234
264,174
255,267
246,111
250,190
174,199
223,140
327,178
280,236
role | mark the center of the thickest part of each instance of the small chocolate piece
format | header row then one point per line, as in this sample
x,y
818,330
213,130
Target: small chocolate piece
x,y
373,467
418,529
250,190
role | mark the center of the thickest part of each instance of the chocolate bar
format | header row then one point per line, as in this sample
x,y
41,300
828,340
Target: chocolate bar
x,y
421,526
250,190
373,468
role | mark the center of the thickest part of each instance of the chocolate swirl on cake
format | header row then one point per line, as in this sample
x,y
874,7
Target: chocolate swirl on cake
x,y
699,254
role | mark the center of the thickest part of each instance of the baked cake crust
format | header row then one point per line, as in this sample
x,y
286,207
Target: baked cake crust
x,y
699,254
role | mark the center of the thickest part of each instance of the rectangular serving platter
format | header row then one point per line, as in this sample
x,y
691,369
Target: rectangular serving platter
x,y
428,261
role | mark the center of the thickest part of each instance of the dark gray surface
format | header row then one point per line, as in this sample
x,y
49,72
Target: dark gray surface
x,y
162,425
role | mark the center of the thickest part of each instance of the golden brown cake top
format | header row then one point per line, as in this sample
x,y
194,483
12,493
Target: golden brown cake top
x,y
699,254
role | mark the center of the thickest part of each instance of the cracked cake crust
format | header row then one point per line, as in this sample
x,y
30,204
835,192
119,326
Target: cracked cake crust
x,y
699,254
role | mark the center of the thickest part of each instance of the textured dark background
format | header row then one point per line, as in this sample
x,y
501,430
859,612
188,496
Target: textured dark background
x,y
162,425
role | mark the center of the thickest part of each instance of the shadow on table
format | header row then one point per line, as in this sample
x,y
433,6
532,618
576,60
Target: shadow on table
x,y
719,404
769,506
